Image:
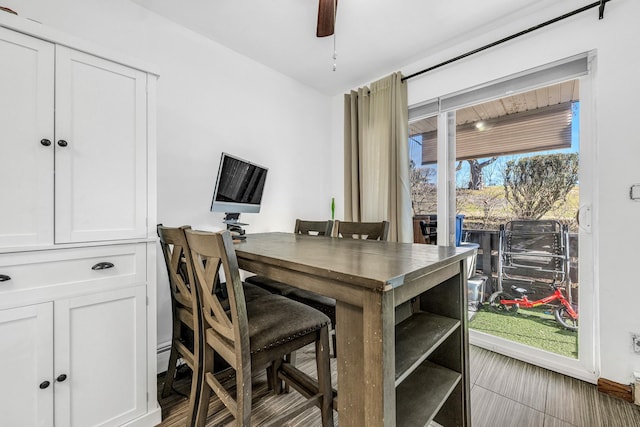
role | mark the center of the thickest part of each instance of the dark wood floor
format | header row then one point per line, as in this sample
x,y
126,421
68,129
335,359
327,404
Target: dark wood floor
x,y
265,405
504,393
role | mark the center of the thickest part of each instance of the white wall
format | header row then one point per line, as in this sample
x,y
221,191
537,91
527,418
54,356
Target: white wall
x,y
616,40
210,100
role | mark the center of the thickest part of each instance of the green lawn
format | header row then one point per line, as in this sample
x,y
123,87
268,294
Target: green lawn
x,y
536,328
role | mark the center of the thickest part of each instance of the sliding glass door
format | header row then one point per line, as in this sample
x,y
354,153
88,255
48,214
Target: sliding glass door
x,y
524,156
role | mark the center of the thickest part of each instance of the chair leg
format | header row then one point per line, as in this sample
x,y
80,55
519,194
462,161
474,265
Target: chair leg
x,y
244,395
202,405
269,377
173,357
274,380
335,345
290,359
194,395
171,371
323,366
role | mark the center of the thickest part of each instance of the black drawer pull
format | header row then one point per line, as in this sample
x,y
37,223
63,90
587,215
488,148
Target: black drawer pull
x,y
62,143
45,142
61,377
4,278
44,384
102,266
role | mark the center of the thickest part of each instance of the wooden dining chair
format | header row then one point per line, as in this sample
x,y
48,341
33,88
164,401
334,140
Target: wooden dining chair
x,y
252,335
186,341
311,228
361,230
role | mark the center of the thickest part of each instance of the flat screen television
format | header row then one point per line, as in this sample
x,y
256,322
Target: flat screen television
x,y
239,186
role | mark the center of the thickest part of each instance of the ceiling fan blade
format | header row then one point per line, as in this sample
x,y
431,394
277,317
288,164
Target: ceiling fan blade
x,y
326,17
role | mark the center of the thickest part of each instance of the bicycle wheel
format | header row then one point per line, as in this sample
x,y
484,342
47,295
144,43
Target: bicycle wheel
x,y
498,307
565,319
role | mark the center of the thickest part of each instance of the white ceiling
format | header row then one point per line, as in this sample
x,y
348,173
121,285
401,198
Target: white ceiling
x,y
373,37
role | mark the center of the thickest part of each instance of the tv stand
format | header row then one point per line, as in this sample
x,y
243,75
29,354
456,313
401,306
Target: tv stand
x,y
234,226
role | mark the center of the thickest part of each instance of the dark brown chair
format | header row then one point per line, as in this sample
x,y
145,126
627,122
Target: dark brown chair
x,y
252,335
186,341
312,228
361,230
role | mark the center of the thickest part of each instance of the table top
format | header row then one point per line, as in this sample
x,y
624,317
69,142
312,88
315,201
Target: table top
x,y
371,264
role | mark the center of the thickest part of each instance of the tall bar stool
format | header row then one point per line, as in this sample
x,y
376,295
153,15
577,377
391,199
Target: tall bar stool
x,y
186,341
252,335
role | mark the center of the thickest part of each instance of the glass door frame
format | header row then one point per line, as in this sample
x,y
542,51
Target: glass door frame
x,y
587,366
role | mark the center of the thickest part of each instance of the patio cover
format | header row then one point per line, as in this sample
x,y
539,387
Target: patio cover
x,y
541,129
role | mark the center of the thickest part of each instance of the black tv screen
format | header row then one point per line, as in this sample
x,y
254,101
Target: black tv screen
x,y
239,186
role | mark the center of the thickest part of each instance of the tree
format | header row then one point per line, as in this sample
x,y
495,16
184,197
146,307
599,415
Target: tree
x,y
423,190
476,179
533,185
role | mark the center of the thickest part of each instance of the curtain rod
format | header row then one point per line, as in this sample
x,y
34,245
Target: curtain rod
x,y
600,4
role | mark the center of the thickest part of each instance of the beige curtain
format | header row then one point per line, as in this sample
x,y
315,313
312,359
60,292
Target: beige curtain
x,y
376,156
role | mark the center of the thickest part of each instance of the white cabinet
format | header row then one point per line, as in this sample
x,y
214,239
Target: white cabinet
x,y
26,352
61,382
100,149
77,233
108,327
97,145
26,119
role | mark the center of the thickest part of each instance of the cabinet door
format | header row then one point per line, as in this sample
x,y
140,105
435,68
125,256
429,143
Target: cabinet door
x,y
26,118
101,348
26,362
101,135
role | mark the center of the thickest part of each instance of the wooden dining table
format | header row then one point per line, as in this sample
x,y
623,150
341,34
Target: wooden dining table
x,y
401,321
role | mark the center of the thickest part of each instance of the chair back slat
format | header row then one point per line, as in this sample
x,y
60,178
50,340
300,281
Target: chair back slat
x,y
361,230
173,243
206,270
315,228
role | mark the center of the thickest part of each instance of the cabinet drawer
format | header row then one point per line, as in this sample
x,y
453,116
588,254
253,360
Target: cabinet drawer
x,y
122,264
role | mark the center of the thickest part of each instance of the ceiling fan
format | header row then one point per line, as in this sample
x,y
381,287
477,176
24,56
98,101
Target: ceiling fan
x,y
326,17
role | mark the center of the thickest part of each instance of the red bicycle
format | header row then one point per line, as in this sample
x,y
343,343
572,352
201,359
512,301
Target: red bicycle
x,y
565,313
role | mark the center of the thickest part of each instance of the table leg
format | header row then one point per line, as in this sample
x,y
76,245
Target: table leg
x,y
379,359
350,365
366,361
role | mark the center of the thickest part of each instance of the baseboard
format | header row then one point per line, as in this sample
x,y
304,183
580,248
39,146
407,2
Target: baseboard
x,y
152,418
162,356
614,389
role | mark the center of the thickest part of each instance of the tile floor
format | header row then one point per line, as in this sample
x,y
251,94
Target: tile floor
x,y
509,393
504,393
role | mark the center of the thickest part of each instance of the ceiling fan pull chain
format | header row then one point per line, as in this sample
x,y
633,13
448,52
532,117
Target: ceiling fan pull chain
x,y
335,52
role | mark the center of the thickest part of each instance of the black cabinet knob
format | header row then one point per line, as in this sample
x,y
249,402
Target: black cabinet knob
x,y
4,277
61,377
45,142
44,384
62,143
